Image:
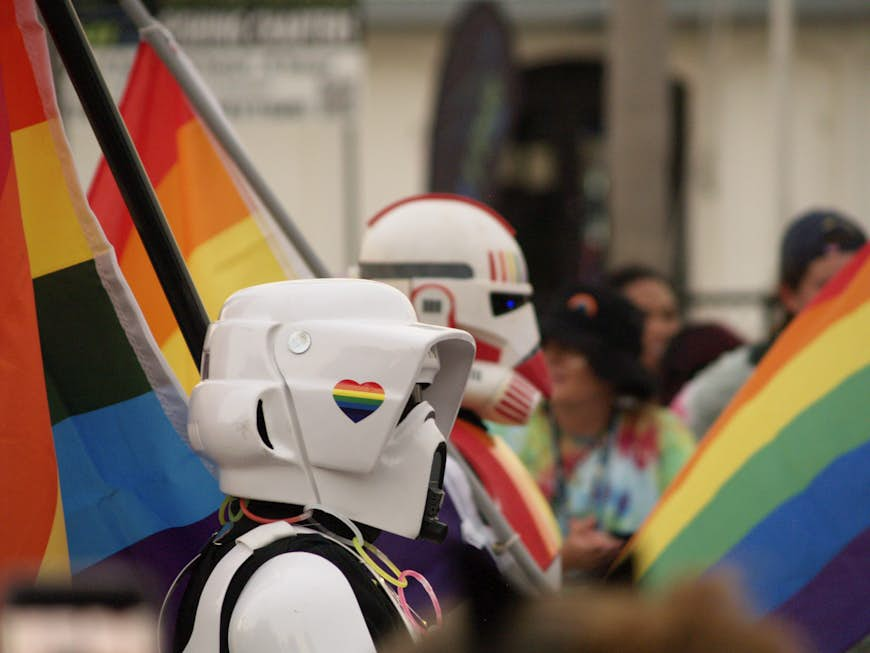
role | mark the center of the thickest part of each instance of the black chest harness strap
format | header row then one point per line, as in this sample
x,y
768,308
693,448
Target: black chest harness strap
x,y
381,616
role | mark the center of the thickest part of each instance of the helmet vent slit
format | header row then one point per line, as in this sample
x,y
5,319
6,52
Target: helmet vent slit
x,y
261,425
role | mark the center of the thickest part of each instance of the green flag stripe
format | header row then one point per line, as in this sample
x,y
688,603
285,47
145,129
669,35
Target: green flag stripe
x,y
804,447
359,401
88,361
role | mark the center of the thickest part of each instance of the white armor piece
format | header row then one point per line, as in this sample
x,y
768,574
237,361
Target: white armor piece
x,y
294,602
326,393
457,261
303,387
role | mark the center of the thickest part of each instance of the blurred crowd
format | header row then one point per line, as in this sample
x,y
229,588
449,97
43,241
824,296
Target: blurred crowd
x,y
636,386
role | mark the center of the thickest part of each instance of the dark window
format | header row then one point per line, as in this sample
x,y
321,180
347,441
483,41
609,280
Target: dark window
x,y
431,305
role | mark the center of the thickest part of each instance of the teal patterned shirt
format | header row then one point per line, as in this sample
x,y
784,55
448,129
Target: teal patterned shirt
x,y
616,477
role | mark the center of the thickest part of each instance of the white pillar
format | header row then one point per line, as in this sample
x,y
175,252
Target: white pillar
x,y
638,133
780,54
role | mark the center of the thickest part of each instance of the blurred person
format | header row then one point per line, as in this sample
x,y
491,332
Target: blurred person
x,y
458,262
324,406
702,616
602,451
693,348
656,297
816,245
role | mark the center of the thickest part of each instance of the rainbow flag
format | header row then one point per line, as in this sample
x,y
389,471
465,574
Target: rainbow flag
x,y
780,488
513,489
226,238
93,469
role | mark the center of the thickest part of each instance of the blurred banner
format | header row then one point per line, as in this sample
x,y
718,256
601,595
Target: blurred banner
x,y
94,468
273,57
778,490
476,104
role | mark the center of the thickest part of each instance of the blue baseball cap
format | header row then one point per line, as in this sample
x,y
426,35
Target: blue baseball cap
x,y
813,234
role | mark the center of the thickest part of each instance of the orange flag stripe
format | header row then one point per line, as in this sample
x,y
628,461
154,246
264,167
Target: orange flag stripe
x,y
816,318
196,185
211,216
199,185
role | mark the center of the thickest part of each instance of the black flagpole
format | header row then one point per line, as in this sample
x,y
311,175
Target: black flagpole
x,y
78,59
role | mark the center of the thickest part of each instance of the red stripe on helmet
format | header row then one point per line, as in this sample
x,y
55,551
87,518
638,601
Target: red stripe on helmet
x,y
445,196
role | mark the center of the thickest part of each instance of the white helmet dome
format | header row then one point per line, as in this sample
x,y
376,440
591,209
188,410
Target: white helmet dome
x,y
458,262
323,392
448,230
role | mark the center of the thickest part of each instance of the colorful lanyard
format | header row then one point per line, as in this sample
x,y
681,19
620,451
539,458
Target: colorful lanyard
x,y
598,490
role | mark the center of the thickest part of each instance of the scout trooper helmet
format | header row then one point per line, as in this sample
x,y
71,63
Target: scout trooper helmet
x,y
458,262
330,392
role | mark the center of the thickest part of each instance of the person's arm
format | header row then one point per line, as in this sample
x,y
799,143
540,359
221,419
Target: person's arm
x,y
586,549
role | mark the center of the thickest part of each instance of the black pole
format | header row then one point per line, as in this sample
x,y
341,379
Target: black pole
x,y
75,52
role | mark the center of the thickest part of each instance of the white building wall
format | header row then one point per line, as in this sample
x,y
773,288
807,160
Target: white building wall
x,y
732,222
733,230
401,81
733,226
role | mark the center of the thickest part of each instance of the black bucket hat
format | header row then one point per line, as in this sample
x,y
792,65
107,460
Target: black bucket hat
x,y
608,330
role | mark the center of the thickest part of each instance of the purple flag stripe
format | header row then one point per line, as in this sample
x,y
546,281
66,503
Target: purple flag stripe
x,y
835,605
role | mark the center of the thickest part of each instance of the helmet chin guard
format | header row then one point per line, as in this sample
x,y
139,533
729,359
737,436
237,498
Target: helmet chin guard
x,y
458,262
330,392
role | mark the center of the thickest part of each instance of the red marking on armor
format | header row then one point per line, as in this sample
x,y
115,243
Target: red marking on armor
x,y
491,266
518,396
521,384
511,413
534,370
445,196
487,352
451,314
519,406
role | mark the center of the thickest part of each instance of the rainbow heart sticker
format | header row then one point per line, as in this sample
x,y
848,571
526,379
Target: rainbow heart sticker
x,y
358,400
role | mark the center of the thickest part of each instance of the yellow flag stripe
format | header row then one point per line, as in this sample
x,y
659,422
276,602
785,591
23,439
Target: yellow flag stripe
x,y
829,360
54,236
235,258
55,562
177,354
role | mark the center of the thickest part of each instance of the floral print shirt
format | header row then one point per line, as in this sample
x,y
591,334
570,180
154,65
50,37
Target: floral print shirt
x,y
616,477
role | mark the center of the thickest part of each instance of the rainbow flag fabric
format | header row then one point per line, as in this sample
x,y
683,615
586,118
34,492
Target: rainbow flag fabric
x,y
226,238
513,489
93,467
780,488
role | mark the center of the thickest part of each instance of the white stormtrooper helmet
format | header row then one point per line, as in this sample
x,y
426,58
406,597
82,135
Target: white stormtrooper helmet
x,y
330,392
458,262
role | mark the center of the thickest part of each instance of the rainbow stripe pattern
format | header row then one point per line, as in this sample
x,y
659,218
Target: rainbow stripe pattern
x,y
779,489
507,266
226,238
93,467
358,400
